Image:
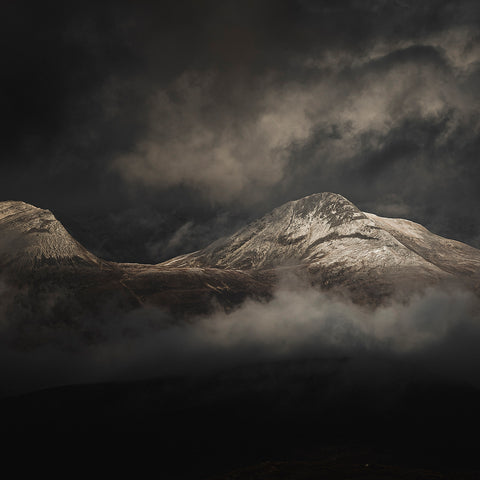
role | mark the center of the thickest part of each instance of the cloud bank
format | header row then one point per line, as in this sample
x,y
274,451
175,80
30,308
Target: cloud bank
x,y
436,333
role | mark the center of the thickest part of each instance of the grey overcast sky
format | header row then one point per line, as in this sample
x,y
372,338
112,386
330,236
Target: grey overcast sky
x,y
152,128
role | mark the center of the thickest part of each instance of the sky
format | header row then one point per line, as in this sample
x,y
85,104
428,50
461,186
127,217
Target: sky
x,y
152,128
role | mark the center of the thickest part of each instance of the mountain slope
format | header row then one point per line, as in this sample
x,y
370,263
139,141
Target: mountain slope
x,y
449,255
33,237
51,279
338,245
290,234
322,228
324,238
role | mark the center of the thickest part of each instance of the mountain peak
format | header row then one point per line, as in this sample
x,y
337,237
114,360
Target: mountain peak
x,y
32,236
339,244
333,208
323,236
292,233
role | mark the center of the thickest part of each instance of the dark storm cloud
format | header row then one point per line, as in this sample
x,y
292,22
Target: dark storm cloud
x,y
192,109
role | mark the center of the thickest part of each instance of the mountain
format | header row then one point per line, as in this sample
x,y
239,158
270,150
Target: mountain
x,y
451,256
324,239
338,245
57,295
50,283
31,237
54,293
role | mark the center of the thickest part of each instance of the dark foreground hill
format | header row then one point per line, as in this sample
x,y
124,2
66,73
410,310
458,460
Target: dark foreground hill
x,y
272,421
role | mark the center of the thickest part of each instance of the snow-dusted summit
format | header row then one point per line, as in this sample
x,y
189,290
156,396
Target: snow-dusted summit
x,y
31,236
299,231
323,238
339,244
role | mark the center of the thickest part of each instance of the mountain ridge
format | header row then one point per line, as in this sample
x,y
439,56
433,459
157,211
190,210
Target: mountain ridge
x,y
323,238
325,229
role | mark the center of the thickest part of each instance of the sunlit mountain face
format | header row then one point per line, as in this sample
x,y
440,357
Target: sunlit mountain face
x,y
180,290
322,241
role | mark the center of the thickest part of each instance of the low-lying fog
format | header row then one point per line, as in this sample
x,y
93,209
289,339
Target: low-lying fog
x,y
436,334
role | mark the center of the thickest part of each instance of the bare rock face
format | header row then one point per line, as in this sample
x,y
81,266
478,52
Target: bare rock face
x,y
31,237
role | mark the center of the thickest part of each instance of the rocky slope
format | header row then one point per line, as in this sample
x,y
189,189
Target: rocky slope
x,y
323,238
451,256
49,279
338,245
326,228
30,237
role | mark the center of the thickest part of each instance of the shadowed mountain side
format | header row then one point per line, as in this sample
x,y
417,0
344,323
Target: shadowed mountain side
x,y
49,277
51,301
303,416
195,290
